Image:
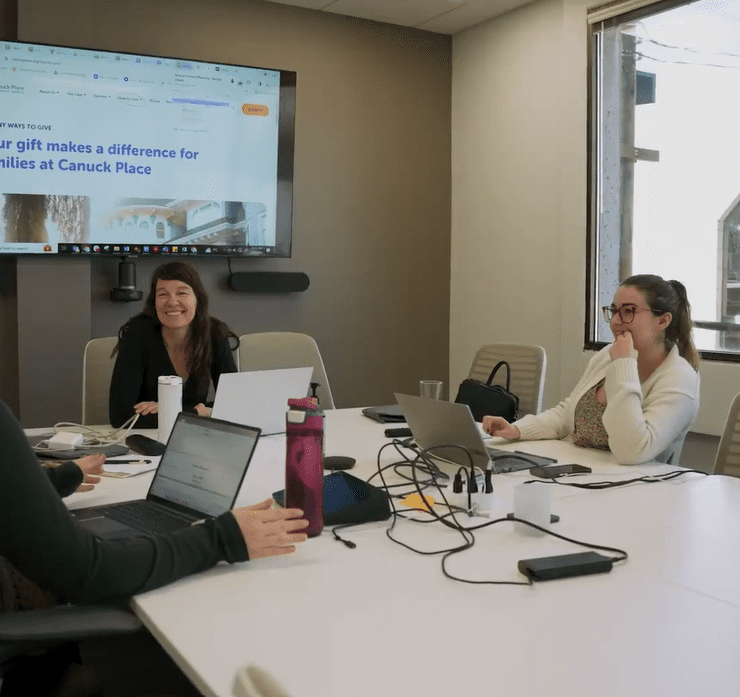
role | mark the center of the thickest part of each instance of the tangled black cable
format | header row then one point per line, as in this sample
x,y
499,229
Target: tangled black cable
x,y
432,477
421,462
429,468
466,533
647,479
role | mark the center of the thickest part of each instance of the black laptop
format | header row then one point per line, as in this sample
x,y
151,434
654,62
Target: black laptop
x,y
198,477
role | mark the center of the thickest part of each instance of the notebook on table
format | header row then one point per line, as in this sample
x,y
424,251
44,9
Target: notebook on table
x,y
434,422
260,397
385,414
198,477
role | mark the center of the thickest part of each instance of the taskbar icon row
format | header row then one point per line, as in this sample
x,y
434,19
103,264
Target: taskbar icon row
x,y
154,249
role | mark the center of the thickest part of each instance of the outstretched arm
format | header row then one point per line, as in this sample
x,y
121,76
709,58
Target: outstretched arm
x,y
499,426
45,543
270,531
76,475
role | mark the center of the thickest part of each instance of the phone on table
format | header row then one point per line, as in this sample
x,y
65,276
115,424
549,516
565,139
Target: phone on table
x,y
554,471
397,433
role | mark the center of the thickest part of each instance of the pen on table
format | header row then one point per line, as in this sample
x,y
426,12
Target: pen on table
x,y
127,462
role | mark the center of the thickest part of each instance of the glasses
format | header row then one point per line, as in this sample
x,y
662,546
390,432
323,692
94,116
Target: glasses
x,y
626,312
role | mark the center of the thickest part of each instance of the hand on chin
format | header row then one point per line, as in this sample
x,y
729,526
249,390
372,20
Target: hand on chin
x,y
623,346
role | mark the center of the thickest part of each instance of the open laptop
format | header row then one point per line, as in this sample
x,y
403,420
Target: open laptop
x,y
198,476
260,398
434,422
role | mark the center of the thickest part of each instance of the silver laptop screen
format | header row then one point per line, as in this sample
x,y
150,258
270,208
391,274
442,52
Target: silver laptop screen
x,y
204,464
260,398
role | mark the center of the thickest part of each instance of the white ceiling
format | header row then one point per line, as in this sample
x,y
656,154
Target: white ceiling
x,y
441,16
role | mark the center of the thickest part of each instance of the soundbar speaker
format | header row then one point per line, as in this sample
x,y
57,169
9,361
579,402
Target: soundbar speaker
x,y
268,282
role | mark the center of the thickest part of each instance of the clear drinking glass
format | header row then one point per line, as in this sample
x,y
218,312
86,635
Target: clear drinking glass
x,y
431,389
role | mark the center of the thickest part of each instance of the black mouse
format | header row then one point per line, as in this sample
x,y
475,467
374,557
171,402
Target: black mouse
x,y
144,445
339,462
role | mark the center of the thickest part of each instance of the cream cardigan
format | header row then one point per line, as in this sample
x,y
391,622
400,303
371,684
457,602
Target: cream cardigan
x,y
644,422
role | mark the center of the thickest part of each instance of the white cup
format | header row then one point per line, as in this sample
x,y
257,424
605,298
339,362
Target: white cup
x,y
532,503
431,389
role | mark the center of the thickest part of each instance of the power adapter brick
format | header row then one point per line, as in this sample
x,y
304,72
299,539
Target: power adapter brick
x,y
64,440
565,565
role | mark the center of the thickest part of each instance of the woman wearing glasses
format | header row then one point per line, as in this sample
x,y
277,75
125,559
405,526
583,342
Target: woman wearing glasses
x,y
640,395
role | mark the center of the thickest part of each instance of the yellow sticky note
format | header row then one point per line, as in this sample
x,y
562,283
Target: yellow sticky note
x,y
415,501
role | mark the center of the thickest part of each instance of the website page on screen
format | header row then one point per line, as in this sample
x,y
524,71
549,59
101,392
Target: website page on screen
x,y
203,466
122,152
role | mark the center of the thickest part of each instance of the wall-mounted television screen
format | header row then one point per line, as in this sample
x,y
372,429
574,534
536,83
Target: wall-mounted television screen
x,y
118,154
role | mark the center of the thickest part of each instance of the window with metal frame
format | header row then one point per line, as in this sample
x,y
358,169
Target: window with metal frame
x,y
664,158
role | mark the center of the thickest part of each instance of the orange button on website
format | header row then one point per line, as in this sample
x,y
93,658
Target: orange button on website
x,y
255,109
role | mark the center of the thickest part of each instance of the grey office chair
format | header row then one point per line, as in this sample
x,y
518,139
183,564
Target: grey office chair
x,y
97,368
528,365
272,350
727,460
34,632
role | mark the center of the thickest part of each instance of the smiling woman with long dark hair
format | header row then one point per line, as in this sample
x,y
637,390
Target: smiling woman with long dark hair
x,y
173,335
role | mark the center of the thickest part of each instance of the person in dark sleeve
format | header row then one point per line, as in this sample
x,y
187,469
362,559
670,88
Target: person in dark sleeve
x,y
16,591
76,475
42,542
41,539
174,335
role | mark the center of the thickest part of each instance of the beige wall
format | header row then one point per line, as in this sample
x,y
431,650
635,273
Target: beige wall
x,y
519,197
371,199
507,278
372,181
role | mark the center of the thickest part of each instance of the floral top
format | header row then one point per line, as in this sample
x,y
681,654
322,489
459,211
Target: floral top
x,y
588,430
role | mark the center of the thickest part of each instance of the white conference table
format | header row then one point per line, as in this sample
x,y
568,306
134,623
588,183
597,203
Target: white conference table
x,y
329,621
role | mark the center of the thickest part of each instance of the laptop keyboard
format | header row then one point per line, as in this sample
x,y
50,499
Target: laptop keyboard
x,y
148,517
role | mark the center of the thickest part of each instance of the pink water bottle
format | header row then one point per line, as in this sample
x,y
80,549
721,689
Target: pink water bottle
x,y
304,469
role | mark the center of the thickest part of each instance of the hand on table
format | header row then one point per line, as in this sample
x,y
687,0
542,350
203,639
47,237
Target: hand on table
x,y
270,531
146,408
203,410
91,466
499,426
